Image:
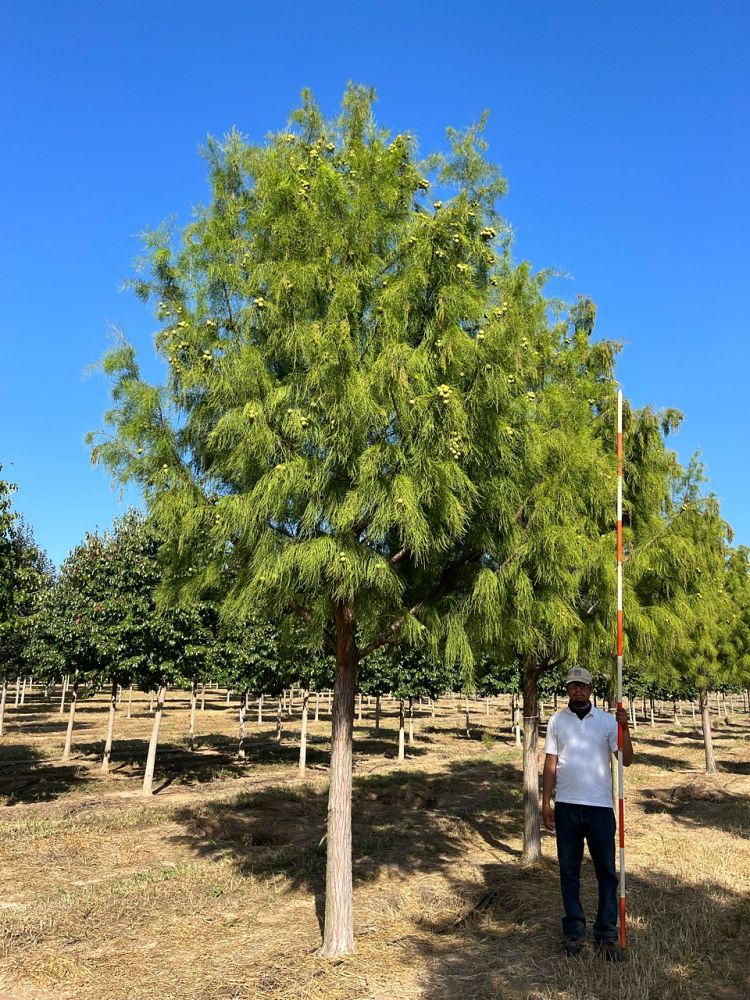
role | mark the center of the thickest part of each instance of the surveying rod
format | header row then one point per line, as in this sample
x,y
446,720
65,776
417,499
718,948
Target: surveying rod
x,y
620,768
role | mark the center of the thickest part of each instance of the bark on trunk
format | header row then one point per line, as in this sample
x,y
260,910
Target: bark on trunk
x,y
401,740
260,710
107,756
242,712
303,734
377,713
148,777
532,845
359,707
279,710
71,720
708,740
2,706
411,722
130,701
338,934
675,717
193,705
317,706
203,697
467,720
432,707
289,703
23,691
18,694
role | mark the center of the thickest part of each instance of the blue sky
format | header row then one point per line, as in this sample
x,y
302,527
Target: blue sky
x,y
622,128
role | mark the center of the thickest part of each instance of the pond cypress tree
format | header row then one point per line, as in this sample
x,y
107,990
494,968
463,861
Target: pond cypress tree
x,y
355,365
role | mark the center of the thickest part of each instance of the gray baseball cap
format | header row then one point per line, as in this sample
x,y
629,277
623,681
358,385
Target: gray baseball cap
x,y
578,674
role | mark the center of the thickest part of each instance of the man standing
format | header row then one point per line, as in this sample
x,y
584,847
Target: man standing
x,y
579,742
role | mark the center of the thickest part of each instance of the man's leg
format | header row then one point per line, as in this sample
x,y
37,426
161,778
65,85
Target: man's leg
x,y
600,837
569,835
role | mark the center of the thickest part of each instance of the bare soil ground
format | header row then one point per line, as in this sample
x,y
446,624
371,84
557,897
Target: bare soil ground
x,y
212,889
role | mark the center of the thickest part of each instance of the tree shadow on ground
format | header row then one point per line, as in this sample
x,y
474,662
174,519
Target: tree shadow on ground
x,y
701,803
735,766
506,935
676,763
406,821
26,775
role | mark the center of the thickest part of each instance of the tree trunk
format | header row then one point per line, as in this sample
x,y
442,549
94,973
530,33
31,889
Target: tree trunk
x,y
289,703
2,706
675,717
303,734
359,707
411,722
338,934
432,707
467,720
260,710
279,710
107,757
329,701
130,701
532,845
18,694
377,712
243,710
203,697
71,720
708,740
148,777
401,740
193,705
23,691
317,706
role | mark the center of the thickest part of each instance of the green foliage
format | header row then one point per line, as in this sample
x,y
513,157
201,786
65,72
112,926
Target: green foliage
x,y
25,576
102,622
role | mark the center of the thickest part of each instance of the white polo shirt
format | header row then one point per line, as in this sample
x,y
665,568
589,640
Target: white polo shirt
x,y
583,748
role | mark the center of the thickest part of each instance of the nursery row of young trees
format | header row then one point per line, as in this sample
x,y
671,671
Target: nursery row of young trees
x,y
379,433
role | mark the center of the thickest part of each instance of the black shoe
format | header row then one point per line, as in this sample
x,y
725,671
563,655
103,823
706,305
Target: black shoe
x,y
572,947
611,951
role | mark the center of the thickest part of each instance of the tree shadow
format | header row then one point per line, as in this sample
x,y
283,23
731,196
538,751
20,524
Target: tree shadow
x,y
26,775
735,766
507,935
406,821
701,803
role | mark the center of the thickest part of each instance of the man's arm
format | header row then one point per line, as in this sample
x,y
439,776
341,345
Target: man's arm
x,y
549,777
621,716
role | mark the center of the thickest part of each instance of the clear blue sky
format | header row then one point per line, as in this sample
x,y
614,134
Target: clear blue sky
x,y
622,128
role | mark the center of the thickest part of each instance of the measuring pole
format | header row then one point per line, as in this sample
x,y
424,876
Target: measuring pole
x,y
620,768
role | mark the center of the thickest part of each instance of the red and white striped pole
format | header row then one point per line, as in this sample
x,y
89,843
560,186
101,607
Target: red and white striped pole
x,y
620,769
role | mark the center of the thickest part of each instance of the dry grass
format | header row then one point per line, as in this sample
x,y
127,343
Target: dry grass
x,y
212,889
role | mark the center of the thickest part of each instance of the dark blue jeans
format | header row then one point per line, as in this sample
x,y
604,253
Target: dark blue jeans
x,y
595,825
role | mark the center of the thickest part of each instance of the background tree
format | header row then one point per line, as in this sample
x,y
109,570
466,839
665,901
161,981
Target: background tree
x,y
26,575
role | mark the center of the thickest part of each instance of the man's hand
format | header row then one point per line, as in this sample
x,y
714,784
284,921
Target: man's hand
x,y
548,814
621,715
